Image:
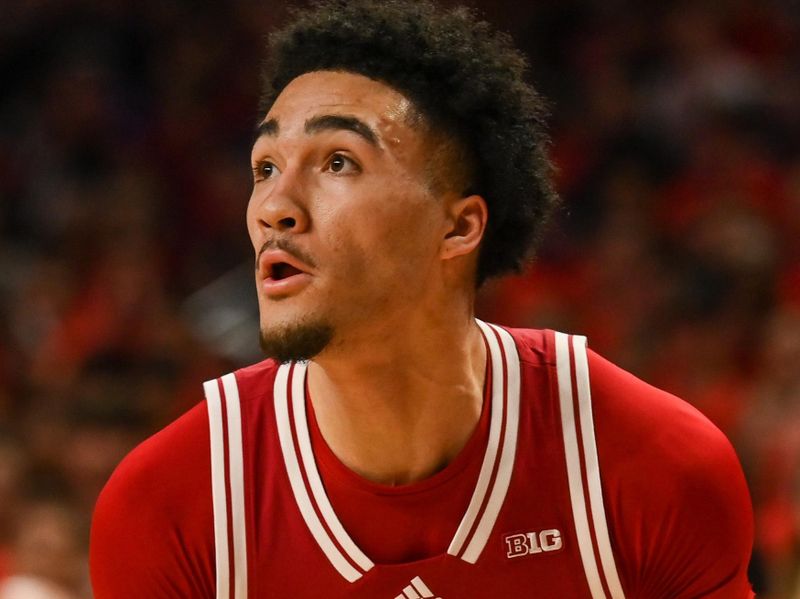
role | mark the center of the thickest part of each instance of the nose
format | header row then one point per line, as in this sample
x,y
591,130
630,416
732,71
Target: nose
x,y
281,208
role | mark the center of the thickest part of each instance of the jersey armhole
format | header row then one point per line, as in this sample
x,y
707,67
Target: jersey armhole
x,y
583,467
227,486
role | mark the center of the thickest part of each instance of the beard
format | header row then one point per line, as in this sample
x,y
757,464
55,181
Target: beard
x,y
296,342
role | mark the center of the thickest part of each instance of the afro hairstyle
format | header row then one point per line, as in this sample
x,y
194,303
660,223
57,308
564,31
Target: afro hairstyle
x,y
466,80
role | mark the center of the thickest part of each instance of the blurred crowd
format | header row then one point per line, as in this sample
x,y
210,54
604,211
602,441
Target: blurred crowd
x,y
124,139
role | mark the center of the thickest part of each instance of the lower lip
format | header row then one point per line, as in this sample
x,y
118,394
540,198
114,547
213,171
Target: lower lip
x,y
287,286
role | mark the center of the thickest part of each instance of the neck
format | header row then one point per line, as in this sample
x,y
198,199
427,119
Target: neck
x,y
400,410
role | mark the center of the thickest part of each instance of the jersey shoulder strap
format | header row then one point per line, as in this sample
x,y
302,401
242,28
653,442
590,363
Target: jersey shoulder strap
x,y
583,467
227,486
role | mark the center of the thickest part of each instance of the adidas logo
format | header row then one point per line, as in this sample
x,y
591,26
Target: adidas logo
x,y
416,590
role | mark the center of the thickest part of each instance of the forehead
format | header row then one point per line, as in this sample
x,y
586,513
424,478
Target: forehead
x,y
334,92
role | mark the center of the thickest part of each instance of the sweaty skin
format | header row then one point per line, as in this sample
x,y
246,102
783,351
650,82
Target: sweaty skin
x,y
395,259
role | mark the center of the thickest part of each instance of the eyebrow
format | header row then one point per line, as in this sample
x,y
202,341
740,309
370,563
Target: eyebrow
x,y
336,122
325,122
268,128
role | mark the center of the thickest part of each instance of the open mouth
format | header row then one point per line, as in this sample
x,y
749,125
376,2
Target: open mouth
x,y
282,270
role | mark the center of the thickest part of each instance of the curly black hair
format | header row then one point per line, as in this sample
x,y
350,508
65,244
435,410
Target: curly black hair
x,y
466,79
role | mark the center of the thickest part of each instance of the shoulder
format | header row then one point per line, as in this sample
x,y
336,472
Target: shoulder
x,y
165,463
678,505
631,414
152,529
153,518
638,425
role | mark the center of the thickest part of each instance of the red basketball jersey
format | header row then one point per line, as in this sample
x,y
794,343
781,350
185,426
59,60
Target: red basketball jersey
x,y
598,488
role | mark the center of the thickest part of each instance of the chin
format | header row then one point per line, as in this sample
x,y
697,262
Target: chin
x,y
296,341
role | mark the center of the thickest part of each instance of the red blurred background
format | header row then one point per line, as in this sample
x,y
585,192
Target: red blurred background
x,y
126,269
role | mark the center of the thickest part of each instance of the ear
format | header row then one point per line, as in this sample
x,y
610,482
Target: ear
x,y
467,222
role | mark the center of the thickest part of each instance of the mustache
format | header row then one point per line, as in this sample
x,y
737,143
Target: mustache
x,y
281,243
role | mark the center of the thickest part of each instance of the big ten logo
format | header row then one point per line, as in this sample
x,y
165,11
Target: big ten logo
x,y
532,543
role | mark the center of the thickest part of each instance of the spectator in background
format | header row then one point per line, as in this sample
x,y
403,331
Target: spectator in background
x,y
47,556
12,471
677,137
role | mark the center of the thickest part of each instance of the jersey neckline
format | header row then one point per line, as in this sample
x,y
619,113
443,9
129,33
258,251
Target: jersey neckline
x,y
328,461
487,498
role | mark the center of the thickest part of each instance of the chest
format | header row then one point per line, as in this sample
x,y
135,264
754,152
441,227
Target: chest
x,y
534,521
521,535
532,545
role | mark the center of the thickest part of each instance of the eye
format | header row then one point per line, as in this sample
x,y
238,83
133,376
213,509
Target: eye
x,y
264,170
341,164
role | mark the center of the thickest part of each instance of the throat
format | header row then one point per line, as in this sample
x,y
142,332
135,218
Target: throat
x,y
408,460
392,445
403,420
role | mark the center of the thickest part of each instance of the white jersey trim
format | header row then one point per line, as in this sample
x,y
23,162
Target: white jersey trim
x,y
511,380
236,473
312,474
492,447
301,496
218,490
576,474
487,499
344,554
593,468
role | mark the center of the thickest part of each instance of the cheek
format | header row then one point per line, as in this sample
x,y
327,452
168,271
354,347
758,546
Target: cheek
x,y
414,229
388,244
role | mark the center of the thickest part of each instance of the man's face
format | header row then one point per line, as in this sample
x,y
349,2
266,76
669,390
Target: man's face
x,y
343,219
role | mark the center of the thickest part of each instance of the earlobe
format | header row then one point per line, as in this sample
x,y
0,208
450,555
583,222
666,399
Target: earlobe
x,y
467,224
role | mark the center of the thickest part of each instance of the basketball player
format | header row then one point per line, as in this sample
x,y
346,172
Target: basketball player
x,y
391,446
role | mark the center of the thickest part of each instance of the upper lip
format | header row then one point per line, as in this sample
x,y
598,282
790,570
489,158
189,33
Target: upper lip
x,y
269,258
